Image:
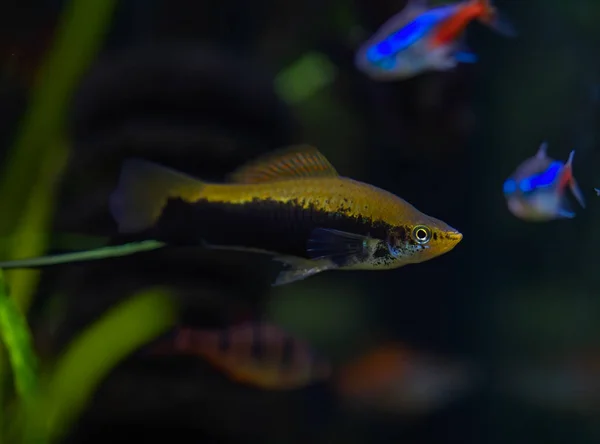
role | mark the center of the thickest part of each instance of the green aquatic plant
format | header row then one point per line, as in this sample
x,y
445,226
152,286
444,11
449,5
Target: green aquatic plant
x,y
68,385
38,156
17,340
109,251
48,403
44,404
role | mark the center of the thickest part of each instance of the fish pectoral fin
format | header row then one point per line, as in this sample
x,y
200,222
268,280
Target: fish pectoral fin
x,y
338,246
143,190
299,268
295,161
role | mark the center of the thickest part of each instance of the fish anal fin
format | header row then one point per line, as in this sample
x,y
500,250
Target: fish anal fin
x,y
287,163
565,208
338,246
143,190
298,269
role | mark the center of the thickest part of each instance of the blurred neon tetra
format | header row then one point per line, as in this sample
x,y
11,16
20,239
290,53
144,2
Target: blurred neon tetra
x,y
292,205
536,190
422,38
257,354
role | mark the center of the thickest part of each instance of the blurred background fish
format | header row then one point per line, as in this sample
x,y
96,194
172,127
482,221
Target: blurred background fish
x,y
389,377
396,379
423,38
567,382
257,354
536,190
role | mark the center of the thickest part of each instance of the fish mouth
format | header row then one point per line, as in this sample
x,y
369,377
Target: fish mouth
x,y
455,236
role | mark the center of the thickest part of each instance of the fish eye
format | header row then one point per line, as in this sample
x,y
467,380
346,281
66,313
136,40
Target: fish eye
x,y
421,234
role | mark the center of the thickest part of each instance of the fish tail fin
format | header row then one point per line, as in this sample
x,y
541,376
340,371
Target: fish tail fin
x,y
494,19
567,178
143,190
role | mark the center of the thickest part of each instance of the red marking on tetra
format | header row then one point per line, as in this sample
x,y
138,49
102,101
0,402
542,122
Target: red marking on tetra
x,y
451,28
565,178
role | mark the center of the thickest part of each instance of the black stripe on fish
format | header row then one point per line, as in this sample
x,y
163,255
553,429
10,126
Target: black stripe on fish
x,y
269,225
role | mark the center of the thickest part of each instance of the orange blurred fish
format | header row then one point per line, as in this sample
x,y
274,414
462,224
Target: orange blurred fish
x,y
256,354
394,378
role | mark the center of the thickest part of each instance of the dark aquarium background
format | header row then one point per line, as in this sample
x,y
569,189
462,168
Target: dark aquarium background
x,y
203,86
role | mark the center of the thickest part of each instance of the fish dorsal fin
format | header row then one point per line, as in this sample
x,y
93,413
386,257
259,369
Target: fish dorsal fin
x,y
542,152
288,163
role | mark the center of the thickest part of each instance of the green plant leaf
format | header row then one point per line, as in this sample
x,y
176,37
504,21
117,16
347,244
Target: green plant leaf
x,y
89,359
17,339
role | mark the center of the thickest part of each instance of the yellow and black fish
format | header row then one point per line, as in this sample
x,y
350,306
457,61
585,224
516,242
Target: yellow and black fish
x,y
291,204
